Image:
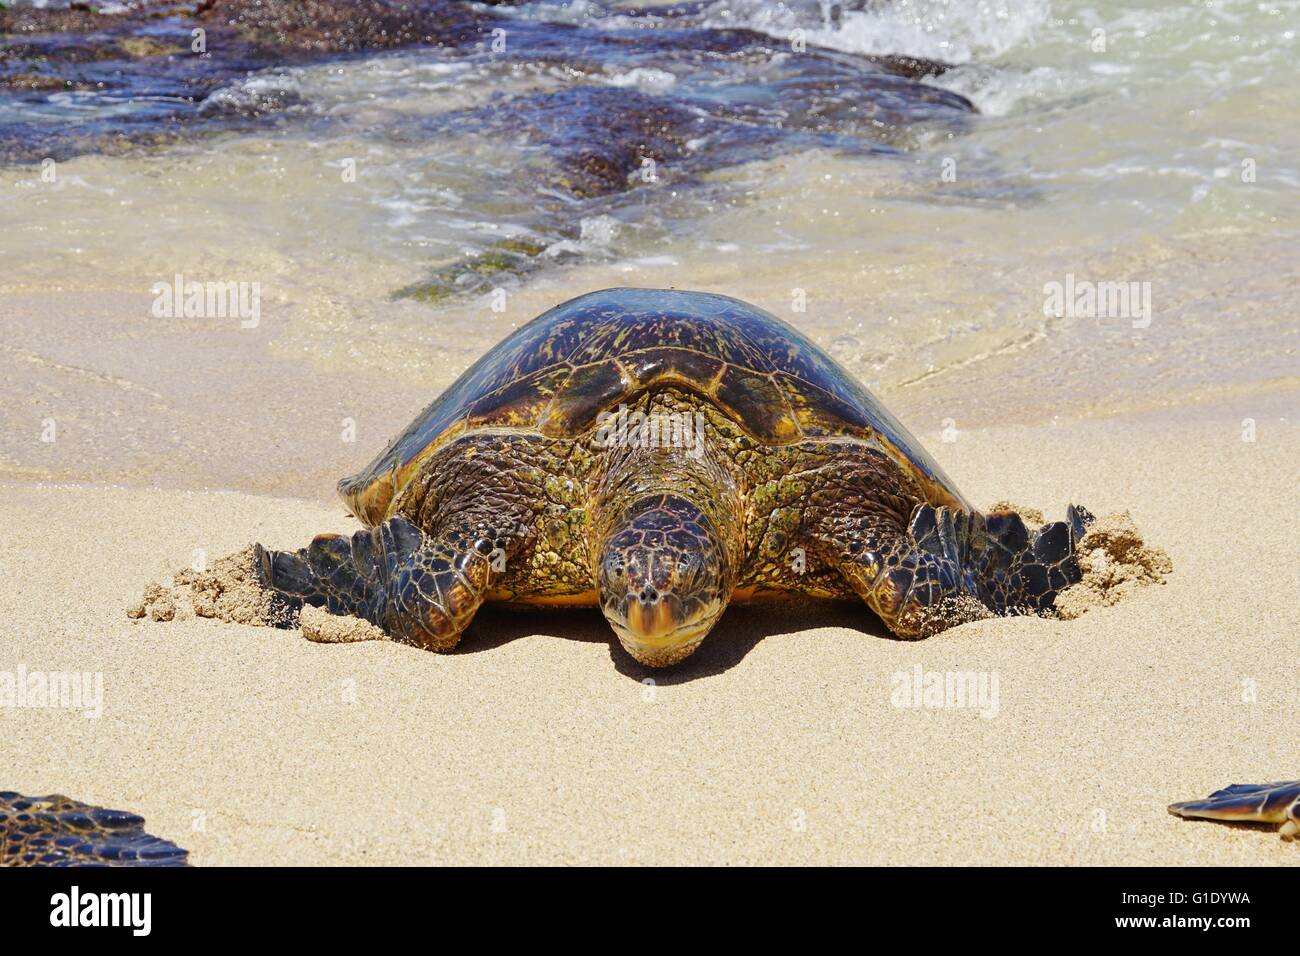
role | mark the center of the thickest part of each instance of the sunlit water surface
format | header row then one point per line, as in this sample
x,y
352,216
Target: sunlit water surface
x,y
1116,141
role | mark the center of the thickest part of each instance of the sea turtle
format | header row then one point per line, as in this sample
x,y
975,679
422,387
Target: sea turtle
x,y
659,454
1250,803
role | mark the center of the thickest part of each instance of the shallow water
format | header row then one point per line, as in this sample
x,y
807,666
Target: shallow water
x,y
917,245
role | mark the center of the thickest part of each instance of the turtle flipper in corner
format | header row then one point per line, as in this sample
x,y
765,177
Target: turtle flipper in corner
x,y
57,831
1250,803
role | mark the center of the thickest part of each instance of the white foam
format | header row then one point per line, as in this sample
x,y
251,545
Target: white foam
x,y
642,77
955,31
260,91
599,230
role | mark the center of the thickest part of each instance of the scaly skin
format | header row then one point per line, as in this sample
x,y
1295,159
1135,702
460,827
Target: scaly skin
x,y
668,533
57,831
662,540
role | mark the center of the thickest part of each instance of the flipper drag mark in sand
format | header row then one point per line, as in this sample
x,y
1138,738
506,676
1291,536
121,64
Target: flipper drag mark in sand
x,y
1250,803
57,831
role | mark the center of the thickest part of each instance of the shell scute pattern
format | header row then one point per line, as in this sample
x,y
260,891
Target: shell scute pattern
x,y
556,374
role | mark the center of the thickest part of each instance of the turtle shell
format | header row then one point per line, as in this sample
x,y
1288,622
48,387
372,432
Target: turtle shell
x,y
556,374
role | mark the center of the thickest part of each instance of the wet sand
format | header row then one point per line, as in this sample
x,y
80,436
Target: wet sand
x,y
780,742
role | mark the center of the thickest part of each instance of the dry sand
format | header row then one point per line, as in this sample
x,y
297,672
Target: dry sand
x,y
780,742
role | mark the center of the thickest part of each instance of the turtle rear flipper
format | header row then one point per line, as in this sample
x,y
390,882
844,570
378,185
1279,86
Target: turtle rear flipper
x,y
1249,803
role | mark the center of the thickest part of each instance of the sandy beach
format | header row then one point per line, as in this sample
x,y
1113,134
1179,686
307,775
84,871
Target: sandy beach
x,y
779,742
395,208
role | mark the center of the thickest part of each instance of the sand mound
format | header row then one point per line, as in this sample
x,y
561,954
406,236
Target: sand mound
x,y
228,591
320,625
1115,561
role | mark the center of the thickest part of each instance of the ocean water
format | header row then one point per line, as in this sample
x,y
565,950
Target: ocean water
x,y
398,220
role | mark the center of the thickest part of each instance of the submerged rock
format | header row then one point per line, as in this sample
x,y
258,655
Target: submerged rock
x,y
169,57
343,26
584,113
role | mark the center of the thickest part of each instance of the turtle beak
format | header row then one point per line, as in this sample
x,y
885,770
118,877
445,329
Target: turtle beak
x,y
652,616
657,629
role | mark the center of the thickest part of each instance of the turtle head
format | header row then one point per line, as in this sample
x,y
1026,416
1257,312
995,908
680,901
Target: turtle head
x,y
664,578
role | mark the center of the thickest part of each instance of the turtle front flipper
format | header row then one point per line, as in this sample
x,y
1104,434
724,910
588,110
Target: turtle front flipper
x,y
949,566
915,579
1017,571
419,589
1250,803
